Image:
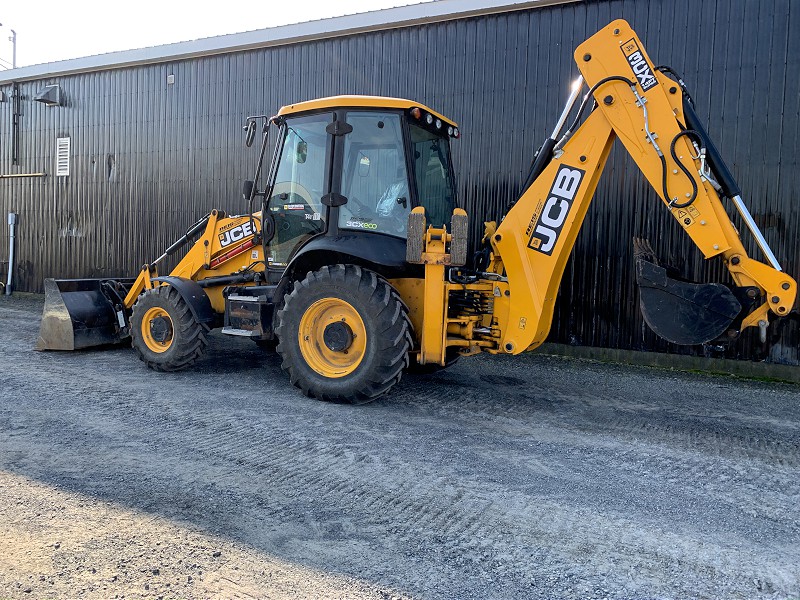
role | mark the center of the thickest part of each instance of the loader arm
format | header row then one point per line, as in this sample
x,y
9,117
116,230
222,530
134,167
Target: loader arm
x,y
642,108
227,245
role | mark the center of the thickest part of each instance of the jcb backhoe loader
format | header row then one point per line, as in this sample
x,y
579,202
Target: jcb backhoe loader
x,y
348,265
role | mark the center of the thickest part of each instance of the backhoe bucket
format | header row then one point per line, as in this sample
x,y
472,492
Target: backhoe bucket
x,y
79,314
682,312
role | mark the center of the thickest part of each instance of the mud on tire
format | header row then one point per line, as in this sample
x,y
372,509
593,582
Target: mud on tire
x,y
164,332
344,335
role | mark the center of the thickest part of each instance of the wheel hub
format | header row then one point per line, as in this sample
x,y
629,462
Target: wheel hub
x,y
332,337
338,336
157,330
161,329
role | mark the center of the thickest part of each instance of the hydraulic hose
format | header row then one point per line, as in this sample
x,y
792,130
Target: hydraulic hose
x,y
693,197
545,153
679,80
585,102
724,176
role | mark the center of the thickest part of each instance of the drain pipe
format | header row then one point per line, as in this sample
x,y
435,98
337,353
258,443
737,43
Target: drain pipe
x,y
12,221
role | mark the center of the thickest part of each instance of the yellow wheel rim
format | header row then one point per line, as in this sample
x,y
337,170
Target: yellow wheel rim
x,y
332,337
148,336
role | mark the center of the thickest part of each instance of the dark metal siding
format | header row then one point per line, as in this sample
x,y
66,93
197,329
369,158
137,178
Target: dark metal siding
x,y
148,158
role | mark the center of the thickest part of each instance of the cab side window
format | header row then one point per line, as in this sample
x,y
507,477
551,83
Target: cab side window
x,y
375,178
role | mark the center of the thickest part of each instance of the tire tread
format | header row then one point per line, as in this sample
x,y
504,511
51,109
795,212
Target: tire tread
x,y
384,307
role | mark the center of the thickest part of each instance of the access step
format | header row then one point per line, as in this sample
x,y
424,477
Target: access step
x,y
249,311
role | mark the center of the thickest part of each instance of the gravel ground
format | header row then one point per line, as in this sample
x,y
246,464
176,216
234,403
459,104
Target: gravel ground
x,y
534,477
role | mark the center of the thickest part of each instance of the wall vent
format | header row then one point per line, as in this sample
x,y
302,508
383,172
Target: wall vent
x,y
62,157
49,95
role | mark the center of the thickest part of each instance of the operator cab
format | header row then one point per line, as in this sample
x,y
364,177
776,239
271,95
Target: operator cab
x,y
351,165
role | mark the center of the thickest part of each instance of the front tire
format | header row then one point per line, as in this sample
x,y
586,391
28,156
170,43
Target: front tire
x,y
164,332
344,335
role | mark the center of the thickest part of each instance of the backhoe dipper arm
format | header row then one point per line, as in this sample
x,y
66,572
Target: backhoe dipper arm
x,y
643,109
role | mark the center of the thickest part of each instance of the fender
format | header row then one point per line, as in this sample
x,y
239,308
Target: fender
x,y
194,295
382,253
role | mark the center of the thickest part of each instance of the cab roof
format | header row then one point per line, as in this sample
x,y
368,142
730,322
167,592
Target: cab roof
x,y
358,102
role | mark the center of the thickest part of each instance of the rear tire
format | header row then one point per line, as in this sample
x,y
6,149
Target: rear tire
x,y
164,332
344,335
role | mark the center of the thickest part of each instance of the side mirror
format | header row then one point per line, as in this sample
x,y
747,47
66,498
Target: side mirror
x,y
247,189
301,153
363,165
250,133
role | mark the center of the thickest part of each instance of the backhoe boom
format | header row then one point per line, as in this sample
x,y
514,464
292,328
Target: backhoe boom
x,y
643,109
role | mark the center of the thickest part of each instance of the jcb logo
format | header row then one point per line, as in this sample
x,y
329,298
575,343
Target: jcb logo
x,y
236,234
638,64
555,211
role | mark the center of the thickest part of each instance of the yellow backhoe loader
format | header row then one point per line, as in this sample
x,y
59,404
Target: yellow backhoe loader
x,y
355,264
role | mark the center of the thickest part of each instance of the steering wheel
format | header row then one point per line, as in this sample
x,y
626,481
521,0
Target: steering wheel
x,y
301,218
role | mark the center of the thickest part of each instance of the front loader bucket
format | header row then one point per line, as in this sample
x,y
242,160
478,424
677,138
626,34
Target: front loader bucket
x,y
682,312
78,314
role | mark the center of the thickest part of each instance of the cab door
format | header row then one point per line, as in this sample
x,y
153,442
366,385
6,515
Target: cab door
x,y
302,179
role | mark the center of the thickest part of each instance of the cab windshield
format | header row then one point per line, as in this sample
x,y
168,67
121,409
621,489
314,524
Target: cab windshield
x,y
433,174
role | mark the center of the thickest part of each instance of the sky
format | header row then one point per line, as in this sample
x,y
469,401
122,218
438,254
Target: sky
x,y
49,30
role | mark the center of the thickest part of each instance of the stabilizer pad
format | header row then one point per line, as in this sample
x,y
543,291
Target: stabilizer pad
x,y
458,245
416,233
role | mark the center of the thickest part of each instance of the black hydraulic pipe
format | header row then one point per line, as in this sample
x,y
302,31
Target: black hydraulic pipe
x,y
545,154
540,162
193,231
227,279
724,177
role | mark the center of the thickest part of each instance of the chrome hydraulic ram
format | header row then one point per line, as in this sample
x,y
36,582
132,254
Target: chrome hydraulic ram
x,y
727,183
545,153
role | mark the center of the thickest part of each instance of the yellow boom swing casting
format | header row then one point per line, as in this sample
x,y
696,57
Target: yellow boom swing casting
x,y
349,267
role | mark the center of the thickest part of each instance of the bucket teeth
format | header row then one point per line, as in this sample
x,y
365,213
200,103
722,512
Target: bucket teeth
x,y
642,250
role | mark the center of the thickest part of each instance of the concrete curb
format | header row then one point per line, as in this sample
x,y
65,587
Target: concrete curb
x,y
720,366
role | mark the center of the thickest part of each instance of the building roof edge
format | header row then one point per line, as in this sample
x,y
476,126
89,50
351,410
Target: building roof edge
x,y
390,18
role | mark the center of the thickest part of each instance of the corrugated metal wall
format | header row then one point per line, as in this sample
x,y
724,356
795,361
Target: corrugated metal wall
x,y
149,157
